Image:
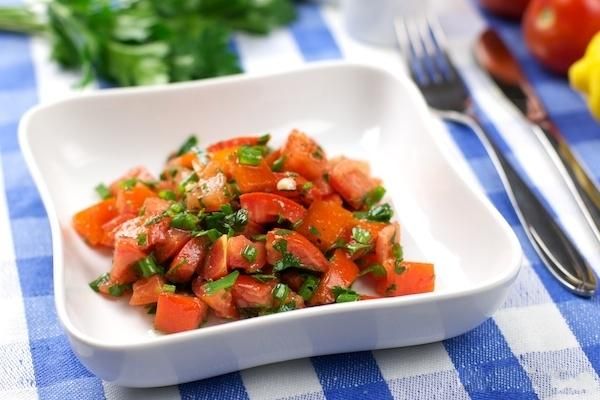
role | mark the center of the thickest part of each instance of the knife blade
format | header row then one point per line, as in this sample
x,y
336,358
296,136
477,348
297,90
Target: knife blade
x,y
495,57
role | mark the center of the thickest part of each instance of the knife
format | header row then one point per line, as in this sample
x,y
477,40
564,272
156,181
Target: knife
x,y
494,56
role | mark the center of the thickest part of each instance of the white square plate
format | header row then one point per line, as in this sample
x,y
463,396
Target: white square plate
x,y
350,109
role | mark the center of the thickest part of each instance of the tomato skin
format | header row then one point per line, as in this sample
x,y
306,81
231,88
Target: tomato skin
x,y
174,241
89,222
342,272
510,9
251,293
146,290
235,259
234,142
304,156
416,278
130,201
187,261
178,313
325,222
221,301
309,256
215,265
352,180
385,241
265,208
127,253
558,31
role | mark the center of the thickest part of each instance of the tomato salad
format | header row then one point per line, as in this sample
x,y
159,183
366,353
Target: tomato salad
x,y
241,230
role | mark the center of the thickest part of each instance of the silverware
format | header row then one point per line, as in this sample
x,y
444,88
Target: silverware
x,y
494,56
423,45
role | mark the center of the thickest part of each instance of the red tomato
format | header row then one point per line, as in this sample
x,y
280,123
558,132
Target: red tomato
x,y
111,227
342,272
251,178
215,265
293,279
178,313
127,254
325,222
251,293
298,246
187,261
506,8
235,254
558,31
385,241
174,241
304,156
221,301
154,206
411,278
89,222
210,194
133,229
130,201
235,142
352,180
146,290
139,172
266,207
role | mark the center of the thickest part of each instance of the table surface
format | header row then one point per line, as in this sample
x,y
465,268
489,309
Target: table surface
x,y
542,343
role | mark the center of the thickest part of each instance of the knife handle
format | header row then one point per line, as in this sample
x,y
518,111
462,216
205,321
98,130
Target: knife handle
x,y
581,186
551,243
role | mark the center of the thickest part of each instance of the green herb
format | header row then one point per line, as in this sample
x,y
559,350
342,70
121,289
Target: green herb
x,y
117,290
313,230
102,279
227,221
103,191
338,244
263,277
308,287
287,260
380,213
398,258
151,309
344,295
375,269
285,307
374,196
167,288
260,238
281,291
185,220
278,164
147,41
223,283
264,139
149,267
211,234
249,253
167,195
361,241
250,155
142,239
227,209
191,178
175,209
307,186
128,184
188,145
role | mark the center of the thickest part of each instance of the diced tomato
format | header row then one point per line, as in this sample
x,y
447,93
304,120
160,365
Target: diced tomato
x,y
111,227
215,265
187,261
293,298
266,207
272,157
325,222
235,142
146,290
130,201
235,254
373,227
178,313
385,241
186,160
352,180
409,278
342,272
221,301
252,228
170,246
293,279
304,156
251,178
251,293
139,172
134,230
158,231
88,223
221,161
127,254
298,246
154,206
209,193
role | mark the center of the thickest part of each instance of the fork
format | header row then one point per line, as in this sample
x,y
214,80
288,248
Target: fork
x,y
423,45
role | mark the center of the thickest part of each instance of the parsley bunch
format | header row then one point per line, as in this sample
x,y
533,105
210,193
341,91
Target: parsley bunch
x,y
144,42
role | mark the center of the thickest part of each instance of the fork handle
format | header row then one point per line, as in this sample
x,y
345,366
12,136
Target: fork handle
x,y
551,243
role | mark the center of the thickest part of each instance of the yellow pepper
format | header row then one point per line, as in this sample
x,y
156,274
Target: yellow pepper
x,y
584,75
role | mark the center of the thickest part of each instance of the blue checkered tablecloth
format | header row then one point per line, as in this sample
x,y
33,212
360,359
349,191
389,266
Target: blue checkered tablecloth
x,y
543,343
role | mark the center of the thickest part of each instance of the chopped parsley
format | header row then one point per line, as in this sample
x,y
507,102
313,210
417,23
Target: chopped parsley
x,y
264,139
344,295
361,241
103,191
227,221
250,155
117,290
281,292
374,196
185,220
96,283
398,258
211,234
224,283
307,186
278,164
314,231
287,260
148,267
142,239
375,269
167,195
188,145
249,253
308,287
167,288
128,184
